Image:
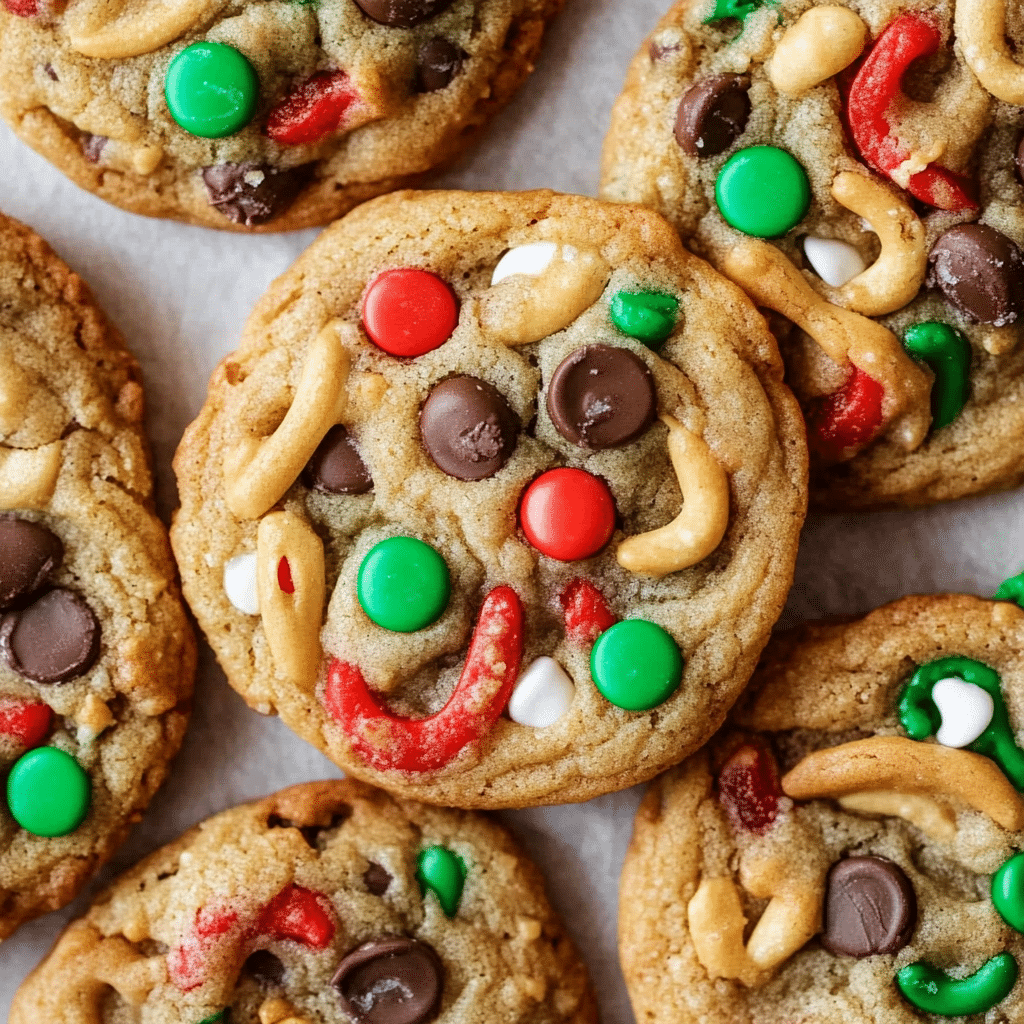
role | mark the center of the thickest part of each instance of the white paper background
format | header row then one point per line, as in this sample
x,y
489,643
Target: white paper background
x,y
180,296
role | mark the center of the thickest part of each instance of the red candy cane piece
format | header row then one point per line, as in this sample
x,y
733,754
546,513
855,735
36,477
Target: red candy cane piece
x,y
300,914
217,930
26,721
317,107
587,614
748,787
845,421
871,98
386,741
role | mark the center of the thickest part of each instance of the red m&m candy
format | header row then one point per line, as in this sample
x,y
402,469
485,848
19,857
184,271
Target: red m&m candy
x,y
408,312
567,514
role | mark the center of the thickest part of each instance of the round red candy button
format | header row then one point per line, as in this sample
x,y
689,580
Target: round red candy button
x,y
409,312
567,514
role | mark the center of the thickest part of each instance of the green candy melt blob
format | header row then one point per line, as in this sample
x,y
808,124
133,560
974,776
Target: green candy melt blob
x,y
647,316
920,717
211,90
403,584
1008,891
1012,590
636,665
763,191
443,873
48,792
948,353
934,991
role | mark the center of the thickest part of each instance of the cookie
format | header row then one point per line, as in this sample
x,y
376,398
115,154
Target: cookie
x,y
857,168
483,453
96,655
849,848
260,116
329,902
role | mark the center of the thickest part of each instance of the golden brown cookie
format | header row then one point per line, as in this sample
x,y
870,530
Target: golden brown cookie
x,y
498,499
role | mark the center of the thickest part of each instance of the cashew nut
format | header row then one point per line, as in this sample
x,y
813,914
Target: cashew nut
x,y
291,621
700,526
935,820
113,29
28,476
15,388
907,766
823,42
997,341
897,275
980,27
258,471
768,276
279,1011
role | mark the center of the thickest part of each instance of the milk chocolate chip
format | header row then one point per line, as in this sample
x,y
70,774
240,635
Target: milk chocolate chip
x,y
29,554
391,980
437,63
251,193
402,13
713,114
468,428
336,467
870,907
602,397
981,272
52,640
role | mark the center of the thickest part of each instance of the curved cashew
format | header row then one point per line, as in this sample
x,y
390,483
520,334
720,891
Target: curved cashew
x,y
767,275
28,476
897,275
823,42
258,471
279,1011
133,27
935,820
291,620
907,766
700,526
980,27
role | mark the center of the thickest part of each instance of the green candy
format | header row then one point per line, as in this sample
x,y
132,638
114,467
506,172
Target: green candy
x,y
763,191
48,792
211,90
636,665
218,1018
443,873
1008,891
948,353
741,9
403,584
1012,590
647,316
934,991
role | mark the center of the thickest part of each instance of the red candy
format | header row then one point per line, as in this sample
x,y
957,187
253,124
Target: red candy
x,y
872,95
567,514
842,423
216,925
386,741
316,108
587,614
748,787
26,721
284,577
409,312
26,8
300,914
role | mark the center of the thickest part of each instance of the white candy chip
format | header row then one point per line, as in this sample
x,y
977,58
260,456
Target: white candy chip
x,y
543,694
240,583
966,711
834,262
532,260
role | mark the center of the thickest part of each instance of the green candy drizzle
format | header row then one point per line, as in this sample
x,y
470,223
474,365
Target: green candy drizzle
x,y
934,991
1012,590
443,873
948,353
647,316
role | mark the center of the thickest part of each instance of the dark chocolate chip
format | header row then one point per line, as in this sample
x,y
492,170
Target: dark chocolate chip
x,y
402,13
251,193
391,980
437,63
264,967
54,639
377,878
870,907
981,272
336,466
602,397
92,146
468,428
713,114
29,555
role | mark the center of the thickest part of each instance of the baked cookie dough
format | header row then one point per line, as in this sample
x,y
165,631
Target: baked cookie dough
x,y
329,902
849,848
857,167
498,499
96,656
258,115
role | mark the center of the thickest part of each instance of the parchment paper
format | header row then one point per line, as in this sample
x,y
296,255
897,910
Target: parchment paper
x,y
180,296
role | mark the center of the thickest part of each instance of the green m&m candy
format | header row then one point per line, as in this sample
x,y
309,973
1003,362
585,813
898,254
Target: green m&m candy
x,y
647,316
443,873
636,665
48,792
763,191
403,584
211,90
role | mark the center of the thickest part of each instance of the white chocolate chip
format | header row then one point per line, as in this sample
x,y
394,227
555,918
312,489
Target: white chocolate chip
x,y
833,261
966,711
542,695
240,583
532,260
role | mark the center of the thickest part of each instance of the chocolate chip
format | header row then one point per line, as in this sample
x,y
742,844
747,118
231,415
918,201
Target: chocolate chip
x,y
29,555
437,63
870,907
391,980
50,73
602,397
92,146
713,114
336,466
264,967
981,272
54,639
251,193
402,13
377,878
468,428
